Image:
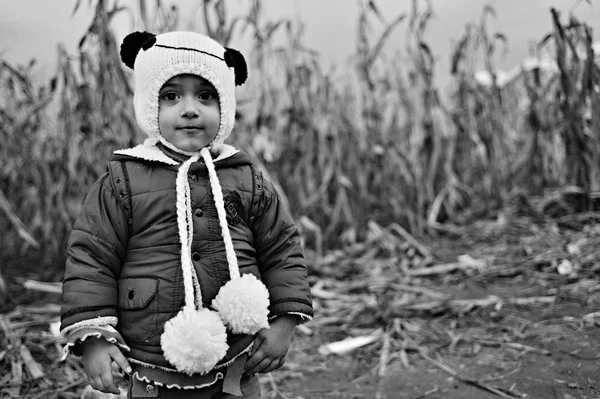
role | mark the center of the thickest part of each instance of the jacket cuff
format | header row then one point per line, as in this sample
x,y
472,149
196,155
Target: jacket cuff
x,y
299,307
302,317
98,328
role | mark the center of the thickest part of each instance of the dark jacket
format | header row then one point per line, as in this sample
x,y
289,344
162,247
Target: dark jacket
x,y
129,268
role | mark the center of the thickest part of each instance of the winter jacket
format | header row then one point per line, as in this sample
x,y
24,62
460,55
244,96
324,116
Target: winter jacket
x,y
123,277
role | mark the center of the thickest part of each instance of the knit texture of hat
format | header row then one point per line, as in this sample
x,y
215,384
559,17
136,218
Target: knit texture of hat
x,y
177,53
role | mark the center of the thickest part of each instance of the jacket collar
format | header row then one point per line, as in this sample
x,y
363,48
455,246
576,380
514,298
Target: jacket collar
x,y
154,151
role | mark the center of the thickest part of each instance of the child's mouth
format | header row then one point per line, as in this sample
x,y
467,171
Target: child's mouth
x,y
189,129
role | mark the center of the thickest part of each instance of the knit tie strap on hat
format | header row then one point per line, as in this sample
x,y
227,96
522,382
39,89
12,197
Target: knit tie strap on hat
x,y
242,303
195,339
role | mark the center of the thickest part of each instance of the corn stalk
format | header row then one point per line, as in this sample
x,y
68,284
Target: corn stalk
x,y
370,140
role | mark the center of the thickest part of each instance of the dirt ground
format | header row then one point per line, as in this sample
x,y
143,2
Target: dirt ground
x,y
525,327
559,358
506,309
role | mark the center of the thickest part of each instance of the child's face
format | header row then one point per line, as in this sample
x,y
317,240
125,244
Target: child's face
x,y
188,114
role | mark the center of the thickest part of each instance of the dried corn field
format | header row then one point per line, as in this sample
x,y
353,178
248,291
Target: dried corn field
x,y
453,236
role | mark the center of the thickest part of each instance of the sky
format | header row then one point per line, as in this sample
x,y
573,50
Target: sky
x,y
34,28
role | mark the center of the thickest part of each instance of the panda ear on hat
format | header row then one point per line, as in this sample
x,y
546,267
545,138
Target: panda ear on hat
x,y
133,43
235,59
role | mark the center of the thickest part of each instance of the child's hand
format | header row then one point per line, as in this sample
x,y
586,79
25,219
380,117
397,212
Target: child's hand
x,y
271,345
98,355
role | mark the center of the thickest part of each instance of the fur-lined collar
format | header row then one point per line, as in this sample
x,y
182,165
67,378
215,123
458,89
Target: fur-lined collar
x,y
149,151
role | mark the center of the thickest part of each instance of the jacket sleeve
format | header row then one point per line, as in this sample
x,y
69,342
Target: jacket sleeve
x,y
280,256
96,249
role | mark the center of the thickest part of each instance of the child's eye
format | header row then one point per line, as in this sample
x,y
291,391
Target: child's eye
x,y
206,95
170,96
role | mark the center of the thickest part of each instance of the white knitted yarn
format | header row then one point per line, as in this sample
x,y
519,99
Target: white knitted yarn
x,y
215,186
184,223
195,339
242,303
176,53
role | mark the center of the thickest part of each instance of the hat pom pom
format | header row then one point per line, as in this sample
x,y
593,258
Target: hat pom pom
x,y
243,304
194,341
133,43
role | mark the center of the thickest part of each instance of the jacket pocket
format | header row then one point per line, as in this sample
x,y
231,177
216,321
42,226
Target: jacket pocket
x,y
138,309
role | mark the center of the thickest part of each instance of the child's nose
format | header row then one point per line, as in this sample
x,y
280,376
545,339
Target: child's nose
x,y
190,108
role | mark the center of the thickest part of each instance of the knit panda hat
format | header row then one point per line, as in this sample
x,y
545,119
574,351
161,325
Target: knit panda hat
x,y
195,339
156,59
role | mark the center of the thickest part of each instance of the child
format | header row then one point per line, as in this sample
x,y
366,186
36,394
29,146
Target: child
x,y
184,268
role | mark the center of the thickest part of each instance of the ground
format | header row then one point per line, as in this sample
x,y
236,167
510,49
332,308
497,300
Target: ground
x,y
521,322
506,307
540,352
